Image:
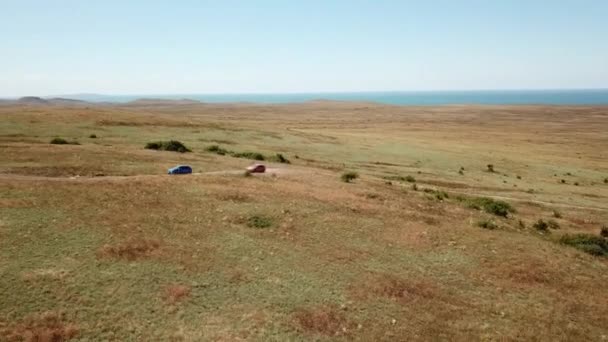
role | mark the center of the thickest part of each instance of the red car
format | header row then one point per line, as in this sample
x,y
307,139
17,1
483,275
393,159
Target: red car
x,y
257,168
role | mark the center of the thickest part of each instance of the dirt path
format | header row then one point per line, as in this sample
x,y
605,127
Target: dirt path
x,y
18,177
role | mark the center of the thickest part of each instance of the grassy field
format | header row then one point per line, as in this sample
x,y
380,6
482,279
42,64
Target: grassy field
x,y
98,243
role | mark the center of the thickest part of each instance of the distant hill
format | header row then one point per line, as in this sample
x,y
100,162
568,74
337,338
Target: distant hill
x,y
33,100
157,102
39,101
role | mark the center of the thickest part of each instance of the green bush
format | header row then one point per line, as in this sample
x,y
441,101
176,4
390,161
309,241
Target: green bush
x,y
171,145
487,224
349,176
248,155
216,149
258,221
489,205
594,245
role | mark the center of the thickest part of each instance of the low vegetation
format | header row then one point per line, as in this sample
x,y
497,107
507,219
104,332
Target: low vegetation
x,y
487,224
61,141
604,231
302,256
259,221
171,145
349,176
439,195
93,136
541,226
277,158
552,224
489,205
588,243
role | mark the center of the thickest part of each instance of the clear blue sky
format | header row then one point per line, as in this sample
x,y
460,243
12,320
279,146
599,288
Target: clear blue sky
x,y
159,47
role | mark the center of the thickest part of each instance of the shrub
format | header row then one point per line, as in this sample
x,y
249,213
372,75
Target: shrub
x,y
437,194
487,224
171,145
410,179
258,221
248,155
604,231
279,158
557,214
414,187
575,183
59,141
489,205
441,195
93,136
594,245
541,225
490,167
461,172
563,181
552,224
521,224
349,176
518,177
216,149
606,180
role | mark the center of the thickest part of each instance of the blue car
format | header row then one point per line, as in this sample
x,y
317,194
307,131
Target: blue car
x,y
180,170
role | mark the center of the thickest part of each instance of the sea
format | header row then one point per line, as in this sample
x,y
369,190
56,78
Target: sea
x,y
482,97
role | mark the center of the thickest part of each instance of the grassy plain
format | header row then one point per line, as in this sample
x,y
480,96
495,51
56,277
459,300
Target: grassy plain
x,y
97,243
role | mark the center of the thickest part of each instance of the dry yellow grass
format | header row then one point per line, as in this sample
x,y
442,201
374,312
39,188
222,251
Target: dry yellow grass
x,y
99,232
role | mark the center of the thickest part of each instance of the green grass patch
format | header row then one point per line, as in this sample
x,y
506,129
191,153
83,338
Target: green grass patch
x,y
171,145
588,243
489,205
278,158
259,221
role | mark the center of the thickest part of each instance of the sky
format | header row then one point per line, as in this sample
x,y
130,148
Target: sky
x,y
117,47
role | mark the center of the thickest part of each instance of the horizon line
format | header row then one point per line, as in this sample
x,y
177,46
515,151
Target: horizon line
x,y
308,92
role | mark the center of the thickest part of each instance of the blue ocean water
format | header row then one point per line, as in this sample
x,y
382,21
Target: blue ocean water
x,y
499,97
